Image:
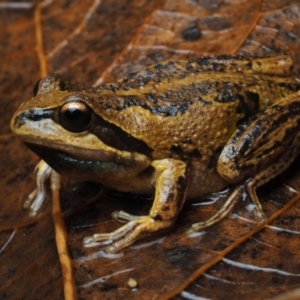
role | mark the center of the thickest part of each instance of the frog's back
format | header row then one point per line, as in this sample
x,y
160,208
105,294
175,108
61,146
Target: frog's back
x,y
174,93
177,70
169,88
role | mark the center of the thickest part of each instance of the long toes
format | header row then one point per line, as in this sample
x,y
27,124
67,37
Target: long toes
x,y
29,199
115,235
129,233
121,244
129,239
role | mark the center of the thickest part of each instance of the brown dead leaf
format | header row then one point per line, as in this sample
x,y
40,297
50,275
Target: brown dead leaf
x,y
94,41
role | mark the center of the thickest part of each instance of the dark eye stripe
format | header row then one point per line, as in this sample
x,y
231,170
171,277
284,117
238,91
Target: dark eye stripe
x,y
117,138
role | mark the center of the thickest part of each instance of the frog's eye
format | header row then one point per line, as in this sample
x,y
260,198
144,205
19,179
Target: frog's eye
x,y
75,116
36,87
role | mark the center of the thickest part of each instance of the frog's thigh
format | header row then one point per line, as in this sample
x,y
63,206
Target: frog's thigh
x,y
276,168
170,191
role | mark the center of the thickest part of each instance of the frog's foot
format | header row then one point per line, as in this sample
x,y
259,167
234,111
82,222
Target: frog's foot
x,y
129,233
122,215
259,214
250,187
222,213
230,203
36,198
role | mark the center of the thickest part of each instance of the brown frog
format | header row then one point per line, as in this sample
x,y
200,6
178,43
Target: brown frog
x,y
178,129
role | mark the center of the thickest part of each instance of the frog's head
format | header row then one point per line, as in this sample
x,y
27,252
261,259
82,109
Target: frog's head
x,y
64,119
57,104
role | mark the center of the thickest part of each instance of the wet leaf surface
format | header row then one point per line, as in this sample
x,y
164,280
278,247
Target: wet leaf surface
x,y
94,41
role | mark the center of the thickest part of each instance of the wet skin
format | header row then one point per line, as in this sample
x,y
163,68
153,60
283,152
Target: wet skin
x,y
178,129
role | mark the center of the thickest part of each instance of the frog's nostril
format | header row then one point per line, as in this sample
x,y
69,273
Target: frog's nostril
x,y
16,123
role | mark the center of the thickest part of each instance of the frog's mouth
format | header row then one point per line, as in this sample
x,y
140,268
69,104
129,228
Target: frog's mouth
x,y
73,167
79,152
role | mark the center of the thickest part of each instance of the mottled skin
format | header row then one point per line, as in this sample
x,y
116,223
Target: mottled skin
x,y
177,129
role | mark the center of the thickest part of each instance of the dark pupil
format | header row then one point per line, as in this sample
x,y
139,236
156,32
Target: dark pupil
x,y
74,114
76,117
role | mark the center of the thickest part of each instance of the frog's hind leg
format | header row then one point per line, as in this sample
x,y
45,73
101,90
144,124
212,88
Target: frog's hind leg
x,y
259,152
250,186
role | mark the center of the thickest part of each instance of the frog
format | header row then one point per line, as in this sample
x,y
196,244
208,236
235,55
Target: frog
x,y
178,130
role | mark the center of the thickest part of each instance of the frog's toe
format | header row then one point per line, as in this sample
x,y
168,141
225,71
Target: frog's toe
x,y
196,227
259,215
123,243
221,213
127,240
29,199
36,202
122,215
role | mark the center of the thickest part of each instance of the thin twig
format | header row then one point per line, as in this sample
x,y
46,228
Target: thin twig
x,y
39,40
61,241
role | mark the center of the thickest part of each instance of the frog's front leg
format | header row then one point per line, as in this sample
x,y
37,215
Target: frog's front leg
x,y
170,191
258,153
35,199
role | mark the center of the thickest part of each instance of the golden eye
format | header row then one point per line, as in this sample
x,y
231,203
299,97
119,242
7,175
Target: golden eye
x,y
75,116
